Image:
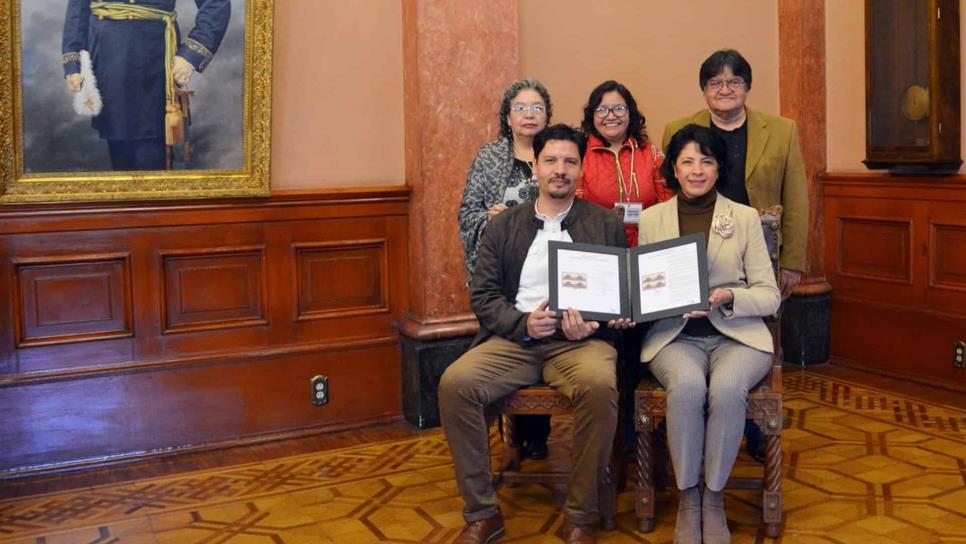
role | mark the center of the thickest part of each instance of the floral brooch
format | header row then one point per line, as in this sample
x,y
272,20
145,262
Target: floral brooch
x,y
723,225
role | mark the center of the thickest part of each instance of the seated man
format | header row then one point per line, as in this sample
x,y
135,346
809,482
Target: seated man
x,y
521,343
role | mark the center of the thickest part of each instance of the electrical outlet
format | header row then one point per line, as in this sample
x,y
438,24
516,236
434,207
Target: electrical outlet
x,y
959,354
320,390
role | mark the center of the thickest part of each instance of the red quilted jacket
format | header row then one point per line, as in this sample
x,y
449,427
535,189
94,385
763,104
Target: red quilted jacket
x,y
599,182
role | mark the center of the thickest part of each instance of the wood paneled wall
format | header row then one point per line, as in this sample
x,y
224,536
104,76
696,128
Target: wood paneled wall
x,y
130,329
896,259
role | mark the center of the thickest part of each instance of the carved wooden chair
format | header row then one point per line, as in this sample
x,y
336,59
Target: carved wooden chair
x,y
764,408
543,399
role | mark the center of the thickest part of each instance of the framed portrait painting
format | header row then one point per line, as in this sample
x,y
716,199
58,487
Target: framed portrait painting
x,y
134,99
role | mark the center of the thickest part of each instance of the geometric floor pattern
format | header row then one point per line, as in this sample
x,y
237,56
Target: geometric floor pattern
x,y
861,466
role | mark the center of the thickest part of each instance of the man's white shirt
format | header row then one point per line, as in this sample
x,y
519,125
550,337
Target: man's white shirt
x,y
534,277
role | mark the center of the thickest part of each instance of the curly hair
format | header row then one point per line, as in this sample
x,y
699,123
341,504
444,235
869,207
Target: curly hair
x,y
511,92
635,124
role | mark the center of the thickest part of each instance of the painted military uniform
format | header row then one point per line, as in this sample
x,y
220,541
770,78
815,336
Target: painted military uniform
x,y
128,57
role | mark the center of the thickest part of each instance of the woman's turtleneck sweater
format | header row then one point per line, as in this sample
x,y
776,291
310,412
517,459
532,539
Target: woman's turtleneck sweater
x,y
694,215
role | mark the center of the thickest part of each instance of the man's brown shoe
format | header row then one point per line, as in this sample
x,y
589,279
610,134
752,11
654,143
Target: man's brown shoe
x,y
482,531
571,533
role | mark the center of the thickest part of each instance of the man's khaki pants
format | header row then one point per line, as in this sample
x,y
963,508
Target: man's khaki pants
x,y
583,371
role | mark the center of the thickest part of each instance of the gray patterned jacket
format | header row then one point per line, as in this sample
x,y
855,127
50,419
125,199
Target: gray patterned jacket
x,y
485,184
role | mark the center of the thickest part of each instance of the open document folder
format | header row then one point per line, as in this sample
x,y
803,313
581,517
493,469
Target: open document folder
x,y
644,283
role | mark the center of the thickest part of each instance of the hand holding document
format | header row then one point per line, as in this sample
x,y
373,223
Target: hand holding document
x,y
541,323
574,327
641,284
719,297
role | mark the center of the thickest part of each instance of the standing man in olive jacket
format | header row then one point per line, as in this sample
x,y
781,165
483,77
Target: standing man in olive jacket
x,y
769,162
768,171
521,342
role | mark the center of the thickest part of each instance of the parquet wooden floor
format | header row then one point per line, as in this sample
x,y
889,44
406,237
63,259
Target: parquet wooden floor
x,y
862,465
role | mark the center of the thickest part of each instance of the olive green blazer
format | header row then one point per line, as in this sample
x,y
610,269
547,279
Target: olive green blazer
x,y
774,174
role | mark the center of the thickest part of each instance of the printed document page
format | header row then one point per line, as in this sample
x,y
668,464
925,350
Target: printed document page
x,y
589,282
669,278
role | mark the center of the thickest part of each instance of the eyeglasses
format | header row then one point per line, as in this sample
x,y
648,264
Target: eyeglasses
x,y
735,84
619,110
536,109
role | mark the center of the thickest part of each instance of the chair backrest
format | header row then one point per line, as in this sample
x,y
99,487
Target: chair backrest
x,y
771,226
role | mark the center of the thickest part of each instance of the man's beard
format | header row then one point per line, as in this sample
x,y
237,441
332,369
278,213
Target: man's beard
x,y
562,193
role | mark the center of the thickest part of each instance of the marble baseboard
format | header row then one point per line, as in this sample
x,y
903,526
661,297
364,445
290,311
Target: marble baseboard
x,y
423,363
806,328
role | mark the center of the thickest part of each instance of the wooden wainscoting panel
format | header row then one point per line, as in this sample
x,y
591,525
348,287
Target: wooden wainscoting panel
x,y
215,288
72,298
948,263
337,279
129,329
948,252
215,292
79,357
93,418
895,259
896,340
946,288
875,249
375,293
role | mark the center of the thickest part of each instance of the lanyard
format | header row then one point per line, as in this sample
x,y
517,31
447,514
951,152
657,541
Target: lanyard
x,y
623,188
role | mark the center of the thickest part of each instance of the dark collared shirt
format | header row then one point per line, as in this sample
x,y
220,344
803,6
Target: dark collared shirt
x,y
737,142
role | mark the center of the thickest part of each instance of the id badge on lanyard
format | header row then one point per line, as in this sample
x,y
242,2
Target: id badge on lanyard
x,y
632,211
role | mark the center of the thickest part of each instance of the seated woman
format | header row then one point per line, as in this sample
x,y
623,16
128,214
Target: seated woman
x,y
709,357
500,177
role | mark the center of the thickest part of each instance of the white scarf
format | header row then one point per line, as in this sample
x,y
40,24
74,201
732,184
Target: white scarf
x,y
88,101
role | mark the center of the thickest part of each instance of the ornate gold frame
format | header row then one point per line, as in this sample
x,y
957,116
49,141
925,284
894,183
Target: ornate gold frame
x,y
252,180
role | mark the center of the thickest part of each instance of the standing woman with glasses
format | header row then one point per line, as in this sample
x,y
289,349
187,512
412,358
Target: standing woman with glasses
x,y
622,172
621,166
501,176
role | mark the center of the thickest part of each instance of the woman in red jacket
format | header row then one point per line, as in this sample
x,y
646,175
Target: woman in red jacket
x,y
622,171
621,166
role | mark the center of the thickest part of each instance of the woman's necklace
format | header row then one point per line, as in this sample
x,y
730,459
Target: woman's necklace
x,y
530,181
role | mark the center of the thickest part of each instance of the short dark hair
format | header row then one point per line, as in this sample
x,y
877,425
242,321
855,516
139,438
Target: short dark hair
x,y
511,92
708,142
635,122
719,60
559,131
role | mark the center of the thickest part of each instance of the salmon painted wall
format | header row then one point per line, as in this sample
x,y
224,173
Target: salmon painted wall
x,y
654,48
338,100
337,117
339,64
